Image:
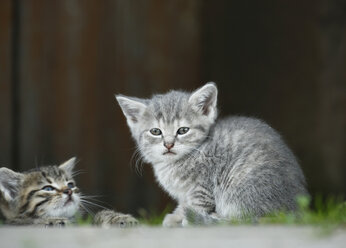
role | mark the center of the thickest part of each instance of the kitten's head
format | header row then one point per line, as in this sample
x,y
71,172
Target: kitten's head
x,y
48,191
170,126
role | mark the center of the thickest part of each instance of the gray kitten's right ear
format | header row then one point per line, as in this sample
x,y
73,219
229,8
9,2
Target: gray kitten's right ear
x,y
132,108
10,182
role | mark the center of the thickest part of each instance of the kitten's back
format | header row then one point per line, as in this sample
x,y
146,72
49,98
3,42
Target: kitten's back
x,y
265,174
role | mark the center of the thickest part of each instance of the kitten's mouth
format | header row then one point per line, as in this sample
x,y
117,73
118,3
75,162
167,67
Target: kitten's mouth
x,y
169,153
69,200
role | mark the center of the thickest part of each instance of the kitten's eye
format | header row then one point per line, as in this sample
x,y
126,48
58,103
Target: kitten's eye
x,y
48,188
155,131
70,185
183,130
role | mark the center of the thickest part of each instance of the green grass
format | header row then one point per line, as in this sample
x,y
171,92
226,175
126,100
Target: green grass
x,y
84,220
330,212
153,218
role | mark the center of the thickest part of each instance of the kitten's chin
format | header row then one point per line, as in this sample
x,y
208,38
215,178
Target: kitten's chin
x,y
167,158
65,209
66,212
171,157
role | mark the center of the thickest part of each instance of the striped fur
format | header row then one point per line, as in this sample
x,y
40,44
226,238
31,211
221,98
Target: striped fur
x,y
26,200
110,218
224,169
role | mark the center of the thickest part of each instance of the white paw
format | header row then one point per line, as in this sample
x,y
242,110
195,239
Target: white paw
x,y
174,220
185,223
53,222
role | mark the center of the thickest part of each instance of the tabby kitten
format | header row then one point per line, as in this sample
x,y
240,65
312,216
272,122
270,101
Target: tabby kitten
x,y
48,196
220,169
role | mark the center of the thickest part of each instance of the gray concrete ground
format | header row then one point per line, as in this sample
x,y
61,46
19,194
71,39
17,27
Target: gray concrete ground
x,y
227,236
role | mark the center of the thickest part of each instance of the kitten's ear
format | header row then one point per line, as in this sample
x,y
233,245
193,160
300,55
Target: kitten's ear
x,y
133,109
10,182
203,100
68,166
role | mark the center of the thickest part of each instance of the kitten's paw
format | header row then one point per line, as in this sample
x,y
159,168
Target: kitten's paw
x,y
108,218
185,222
174,220
52,222
124,220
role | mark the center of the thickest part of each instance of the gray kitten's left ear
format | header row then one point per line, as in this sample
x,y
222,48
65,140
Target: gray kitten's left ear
x,y
204,99
10,183
68,166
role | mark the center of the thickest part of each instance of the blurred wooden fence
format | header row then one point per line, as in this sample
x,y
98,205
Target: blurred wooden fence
x,y
62,61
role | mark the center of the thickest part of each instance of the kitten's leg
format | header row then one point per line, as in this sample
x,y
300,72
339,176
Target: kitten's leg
x,y
111,218
201,207
175,219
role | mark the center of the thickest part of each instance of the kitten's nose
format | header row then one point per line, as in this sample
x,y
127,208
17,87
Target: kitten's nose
x,y
67,191
168,145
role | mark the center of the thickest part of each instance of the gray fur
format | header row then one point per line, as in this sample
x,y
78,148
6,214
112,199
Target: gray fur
x,y
230,168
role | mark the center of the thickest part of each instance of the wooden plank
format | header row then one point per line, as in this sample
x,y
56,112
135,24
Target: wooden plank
x,y
75,56
284,62
5,83
330,130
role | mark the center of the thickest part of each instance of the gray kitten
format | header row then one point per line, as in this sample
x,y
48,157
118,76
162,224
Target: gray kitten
x,y
221,169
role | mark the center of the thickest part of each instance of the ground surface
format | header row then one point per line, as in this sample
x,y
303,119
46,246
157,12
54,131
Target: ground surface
x,y
230,236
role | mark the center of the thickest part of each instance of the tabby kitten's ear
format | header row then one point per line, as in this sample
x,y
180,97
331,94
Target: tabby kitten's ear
x,y
68,166
10,182
132,108
203,100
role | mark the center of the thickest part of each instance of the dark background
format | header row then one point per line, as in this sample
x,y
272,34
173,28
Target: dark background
x,y
62,61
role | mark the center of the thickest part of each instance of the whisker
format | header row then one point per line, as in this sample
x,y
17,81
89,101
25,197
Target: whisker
x,y
138,164
86,209
92,204
92,196
93,199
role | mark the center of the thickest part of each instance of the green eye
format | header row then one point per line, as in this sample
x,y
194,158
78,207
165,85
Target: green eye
x,y
48,188
155,131
183,130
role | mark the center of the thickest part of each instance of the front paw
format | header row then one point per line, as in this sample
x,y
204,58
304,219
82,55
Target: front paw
x,y
124,220
174,220
110,218
52,222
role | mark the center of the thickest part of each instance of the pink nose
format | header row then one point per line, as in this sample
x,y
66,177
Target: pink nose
x,y
67,191
168,145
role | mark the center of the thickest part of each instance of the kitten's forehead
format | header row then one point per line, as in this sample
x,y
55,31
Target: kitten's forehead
x,y
170,107
47,174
